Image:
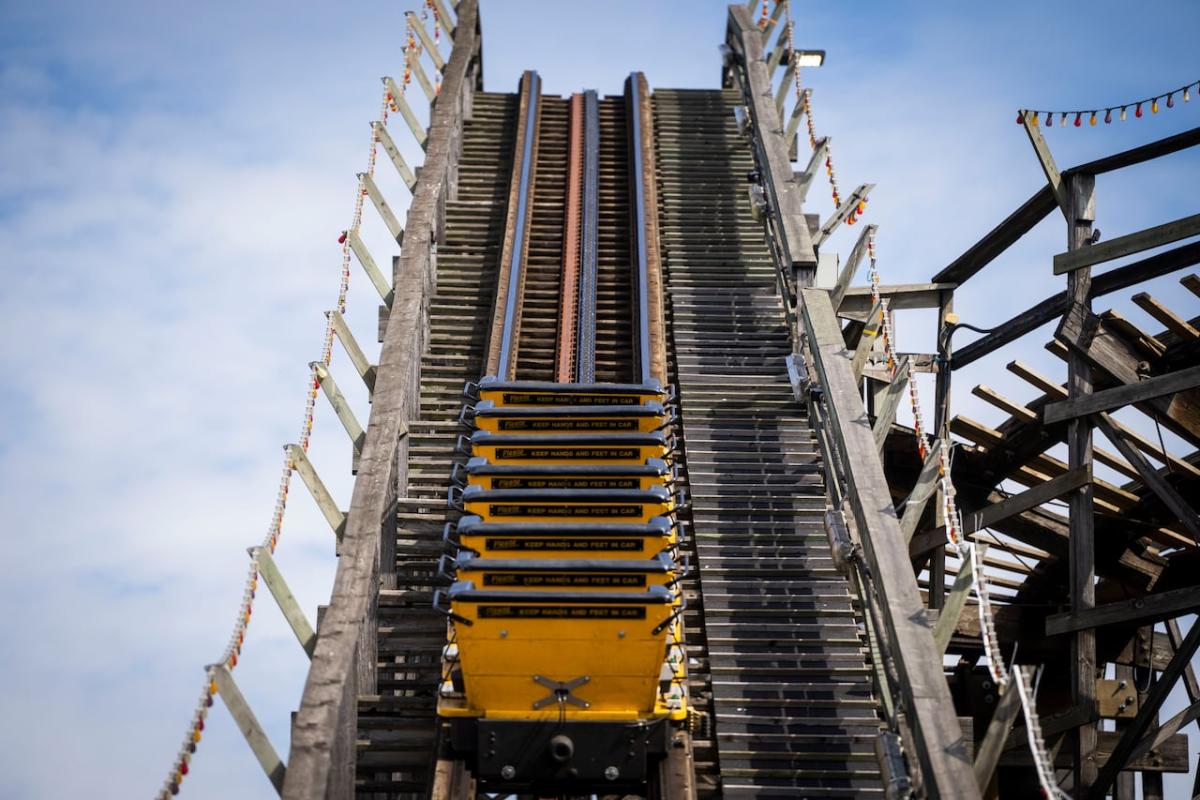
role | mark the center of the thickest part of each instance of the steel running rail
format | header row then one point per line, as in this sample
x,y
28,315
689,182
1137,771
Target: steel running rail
x,y
506,363
638,242
586,337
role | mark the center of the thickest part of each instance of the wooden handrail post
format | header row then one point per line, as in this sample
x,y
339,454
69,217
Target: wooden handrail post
x,y
248,724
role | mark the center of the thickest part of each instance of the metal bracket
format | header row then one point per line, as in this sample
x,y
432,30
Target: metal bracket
x,y
560,692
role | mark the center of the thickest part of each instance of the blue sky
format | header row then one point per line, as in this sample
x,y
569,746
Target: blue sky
x,y
172,183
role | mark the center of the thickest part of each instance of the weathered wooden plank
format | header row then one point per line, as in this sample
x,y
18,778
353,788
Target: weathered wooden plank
x,y
1127,245
939,745
1151,608
806,179
857,299
1042,150
866,341
427,42
924,489
846,276
316,487
1080,211
1057,487
956,601
321,762
885,411
1169,319
1088,340
296,619
410,119
365,369
249,725
1152,478
1127,394
389,146
843,212
382,207
1166,731
341,407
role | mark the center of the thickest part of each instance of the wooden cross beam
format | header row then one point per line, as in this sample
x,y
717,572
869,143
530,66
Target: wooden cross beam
x,y
1152,478
1141,610
1127,245
1127,394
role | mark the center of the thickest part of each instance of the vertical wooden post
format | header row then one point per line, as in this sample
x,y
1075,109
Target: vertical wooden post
x,y
1081,206
941,418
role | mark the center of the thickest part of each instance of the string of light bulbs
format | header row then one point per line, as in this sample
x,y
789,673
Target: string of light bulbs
x,y
1078,117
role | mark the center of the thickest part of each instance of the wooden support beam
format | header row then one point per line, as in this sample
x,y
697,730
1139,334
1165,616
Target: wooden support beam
x,y
1166,731
781,93
1140,610
806,179
1174,641
1063,485
937,738
1052,307
842,213
366,370
1191,283
1152,478
851,268
1088,340
1124,748
418,70
885,412
449,28
1035,209
381,205
789,135
1054,389
248,724
1169,319
1127,245
1042,151
316,487
777,53
1127,394
341,406
1013,408
925,488
295,616
1079,206
406,111
857,299
867,341
987,755
956,601
370,267
389,146
427,42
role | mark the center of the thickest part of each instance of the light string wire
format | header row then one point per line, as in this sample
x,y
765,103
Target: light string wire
x,y
233,648
1046,118
965,548
804,101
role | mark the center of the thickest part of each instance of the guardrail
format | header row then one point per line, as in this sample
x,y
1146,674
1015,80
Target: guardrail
x,y
890,596
322,757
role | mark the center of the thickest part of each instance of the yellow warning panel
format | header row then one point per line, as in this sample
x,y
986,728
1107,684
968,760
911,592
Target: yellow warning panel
x,y
533,655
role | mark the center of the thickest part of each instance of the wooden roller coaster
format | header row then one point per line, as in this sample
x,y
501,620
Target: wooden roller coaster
x,y
658,352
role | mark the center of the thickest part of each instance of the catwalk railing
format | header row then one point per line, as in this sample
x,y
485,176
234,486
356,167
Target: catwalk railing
x,y
322,758
905,635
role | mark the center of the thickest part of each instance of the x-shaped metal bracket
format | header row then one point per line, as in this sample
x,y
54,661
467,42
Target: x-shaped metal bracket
x,y
560,692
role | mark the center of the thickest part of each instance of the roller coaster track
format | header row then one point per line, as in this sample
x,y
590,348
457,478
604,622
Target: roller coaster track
x,y
608,240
